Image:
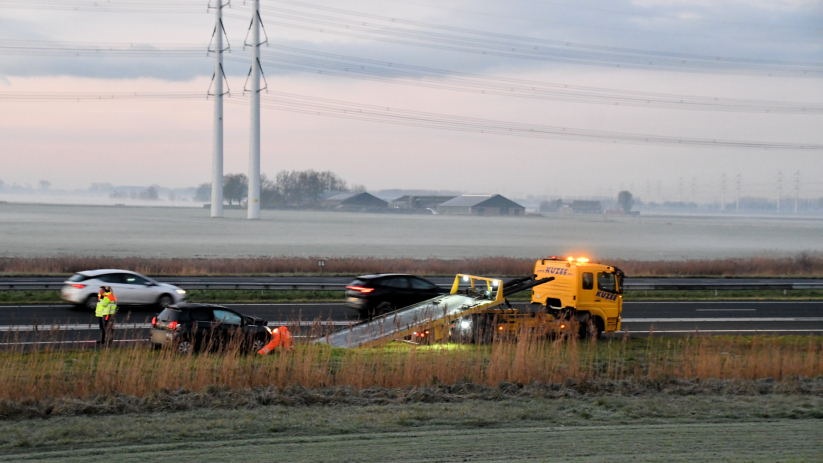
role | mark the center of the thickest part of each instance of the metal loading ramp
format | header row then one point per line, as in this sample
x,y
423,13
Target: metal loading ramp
x,y
437,311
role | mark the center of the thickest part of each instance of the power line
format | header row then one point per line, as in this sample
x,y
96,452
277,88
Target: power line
x,y
339,65
507,45
346,110
50,48
98,96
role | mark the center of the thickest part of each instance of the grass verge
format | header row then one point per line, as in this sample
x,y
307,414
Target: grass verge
x,y
42,376
805,264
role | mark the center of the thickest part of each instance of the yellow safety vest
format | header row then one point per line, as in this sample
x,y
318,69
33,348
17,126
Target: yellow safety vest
x,y
106,305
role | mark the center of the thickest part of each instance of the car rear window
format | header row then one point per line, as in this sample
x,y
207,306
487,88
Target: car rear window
x,y
419,283
111,278
357,283
395,282
78,277
200,315
169,315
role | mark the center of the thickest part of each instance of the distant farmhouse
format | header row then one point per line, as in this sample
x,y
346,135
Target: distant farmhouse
x,y
586,207
418,202
353,201
481,205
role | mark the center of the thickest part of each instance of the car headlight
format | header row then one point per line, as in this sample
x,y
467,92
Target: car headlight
x,y
180,291
465,324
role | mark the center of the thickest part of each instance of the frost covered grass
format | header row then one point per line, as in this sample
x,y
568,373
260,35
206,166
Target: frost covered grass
x,y
801,264
141,373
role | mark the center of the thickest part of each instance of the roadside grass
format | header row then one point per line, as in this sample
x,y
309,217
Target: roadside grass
x,y
804,264
216,424
217,296
40,375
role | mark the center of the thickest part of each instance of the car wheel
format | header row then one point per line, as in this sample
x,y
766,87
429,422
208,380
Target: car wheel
x,y
384,307
184,346
91,303
164,302
257,345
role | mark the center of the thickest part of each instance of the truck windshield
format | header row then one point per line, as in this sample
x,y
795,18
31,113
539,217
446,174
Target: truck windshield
x,y
607,282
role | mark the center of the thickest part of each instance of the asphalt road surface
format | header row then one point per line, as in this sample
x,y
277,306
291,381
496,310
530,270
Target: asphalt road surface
x,y
439,280
66,325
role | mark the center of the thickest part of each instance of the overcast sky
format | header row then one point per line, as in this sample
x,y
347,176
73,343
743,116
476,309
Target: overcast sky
x,y
169,142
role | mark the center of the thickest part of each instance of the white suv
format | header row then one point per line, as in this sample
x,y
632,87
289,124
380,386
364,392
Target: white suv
x,y
130,288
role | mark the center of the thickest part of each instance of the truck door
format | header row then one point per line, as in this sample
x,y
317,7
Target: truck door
x,y
608,298
587,291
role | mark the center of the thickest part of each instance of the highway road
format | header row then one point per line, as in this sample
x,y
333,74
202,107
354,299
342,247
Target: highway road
x,y
341,280
18,322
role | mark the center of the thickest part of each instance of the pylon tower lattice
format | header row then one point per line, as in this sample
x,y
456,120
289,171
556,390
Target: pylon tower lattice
x,y
217,81
723,193
253,207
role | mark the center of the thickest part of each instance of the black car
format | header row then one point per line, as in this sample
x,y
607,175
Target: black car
x,y
207,326
378,294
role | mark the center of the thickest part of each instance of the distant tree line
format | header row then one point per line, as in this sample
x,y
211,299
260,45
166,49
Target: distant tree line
x,y
291,189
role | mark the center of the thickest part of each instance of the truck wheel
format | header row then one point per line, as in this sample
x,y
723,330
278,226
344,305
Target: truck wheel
x,y
589,328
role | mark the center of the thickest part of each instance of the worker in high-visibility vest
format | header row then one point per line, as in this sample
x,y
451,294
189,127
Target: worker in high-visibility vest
x,y
106,308
280,337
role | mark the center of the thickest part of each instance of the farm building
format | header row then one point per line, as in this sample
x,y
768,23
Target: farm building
x,y
418,202
354,201
586,207
481,205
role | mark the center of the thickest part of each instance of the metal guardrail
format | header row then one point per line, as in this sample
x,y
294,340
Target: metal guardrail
x,y
727,286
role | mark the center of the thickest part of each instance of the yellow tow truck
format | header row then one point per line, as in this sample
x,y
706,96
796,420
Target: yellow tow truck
x,y
569,294
576,294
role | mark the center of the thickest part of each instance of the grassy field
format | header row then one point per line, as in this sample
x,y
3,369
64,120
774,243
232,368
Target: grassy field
x,y
654,427
800,265
36,377
702,398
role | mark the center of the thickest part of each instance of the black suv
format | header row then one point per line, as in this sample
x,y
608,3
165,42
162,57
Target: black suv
x,y
378,294
207,326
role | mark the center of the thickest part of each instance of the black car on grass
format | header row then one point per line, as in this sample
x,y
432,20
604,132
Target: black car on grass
x,y
386,292
189,327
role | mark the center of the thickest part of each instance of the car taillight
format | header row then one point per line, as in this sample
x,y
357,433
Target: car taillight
x,y
154,321
78,286
172,325
360,288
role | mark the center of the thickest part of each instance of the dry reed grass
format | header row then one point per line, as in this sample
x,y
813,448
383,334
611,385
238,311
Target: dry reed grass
x,y
803,264
140,372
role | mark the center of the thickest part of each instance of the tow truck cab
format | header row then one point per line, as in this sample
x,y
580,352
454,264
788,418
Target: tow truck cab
x,y
581,287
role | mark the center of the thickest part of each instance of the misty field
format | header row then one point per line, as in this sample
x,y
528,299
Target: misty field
x,y
49,231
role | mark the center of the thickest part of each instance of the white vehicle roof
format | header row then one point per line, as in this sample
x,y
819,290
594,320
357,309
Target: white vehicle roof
x,y
97,273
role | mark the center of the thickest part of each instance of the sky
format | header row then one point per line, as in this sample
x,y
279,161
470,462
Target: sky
x,y
169,142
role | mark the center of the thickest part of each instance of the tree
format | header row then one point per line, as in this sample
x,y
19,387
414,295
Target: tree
x,y
235,187
1,184
358,188
551,206
624,198
45,184
269,193
150,193
305,188
203,192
